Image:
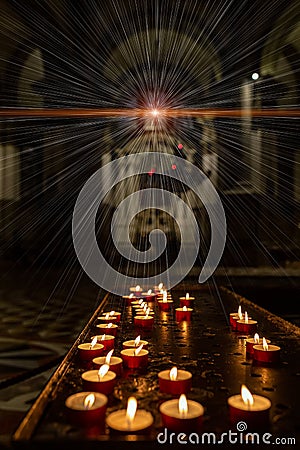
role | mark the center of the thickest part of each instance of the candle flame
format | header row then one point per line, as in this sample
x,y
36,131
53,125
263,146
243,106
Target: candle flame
x,y
103,337
240,311
93,343
165,296
149,292
89,401
131,409
246,396
183,405
141,301
109,325
131,295
111,313
187,296
137,341
160,286
173,374
246,317
256,338
138,288
265,344
107,316
137,350
108,357
184,308
103,371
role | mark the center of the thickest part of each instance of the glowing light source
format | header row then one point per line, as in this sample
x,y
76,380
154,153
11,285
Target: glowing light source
x,y
183,406
174,167
137,341
256,338
173,374
184,308
265,344
103,371
109,325
246,317
137,350
155,112
180,146
108,357
246,396
160,286
103,337
93,343
255,76
131,409
89,401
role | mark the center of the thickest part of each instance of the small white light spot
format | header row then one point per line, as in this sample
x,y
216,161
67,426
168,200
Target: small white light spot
x,y
255,76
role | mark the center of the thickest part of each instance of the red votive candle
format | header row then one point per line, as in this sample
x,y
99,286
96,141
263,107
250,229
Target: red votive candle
x,y
246,325
165,304
182,415
129,298
149,296
251,409
145,322
135,358
265,353
115,363
107,340
107,318
135,343
102,380
184,313
175,382
114,315
88,351
136,290
186,301
130,420
250,342
108,328
86,408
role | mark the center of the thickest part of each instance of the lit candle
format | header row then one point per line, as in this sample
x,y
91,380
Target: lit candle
x,y
108,328
137,290
246,325
136,343
145,321
137,303
145,312
165,304
107,340
135,358
250,342
149,295
102,380
187,300
175,381
129,298
107,318
86,408
183,313
234,317
158,288
113,315
130,420
266,353
90,350
182,415
252,409
115,363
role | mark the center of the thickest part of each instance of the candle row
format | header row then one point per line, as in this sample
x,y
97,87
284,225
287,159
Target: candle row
x,y
257,348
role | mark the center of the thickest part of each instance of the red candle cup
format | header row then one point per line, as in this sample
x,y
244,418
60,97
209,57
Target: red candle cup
x,y
86,409
184,313
145,322
268,354
135,344
106,318
129,298
165,305
187,421
108,328
114,315
115,364
246,326
135,358
186,301
175,382
250,342
107,340
105,384
254,411
87,351
149,296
